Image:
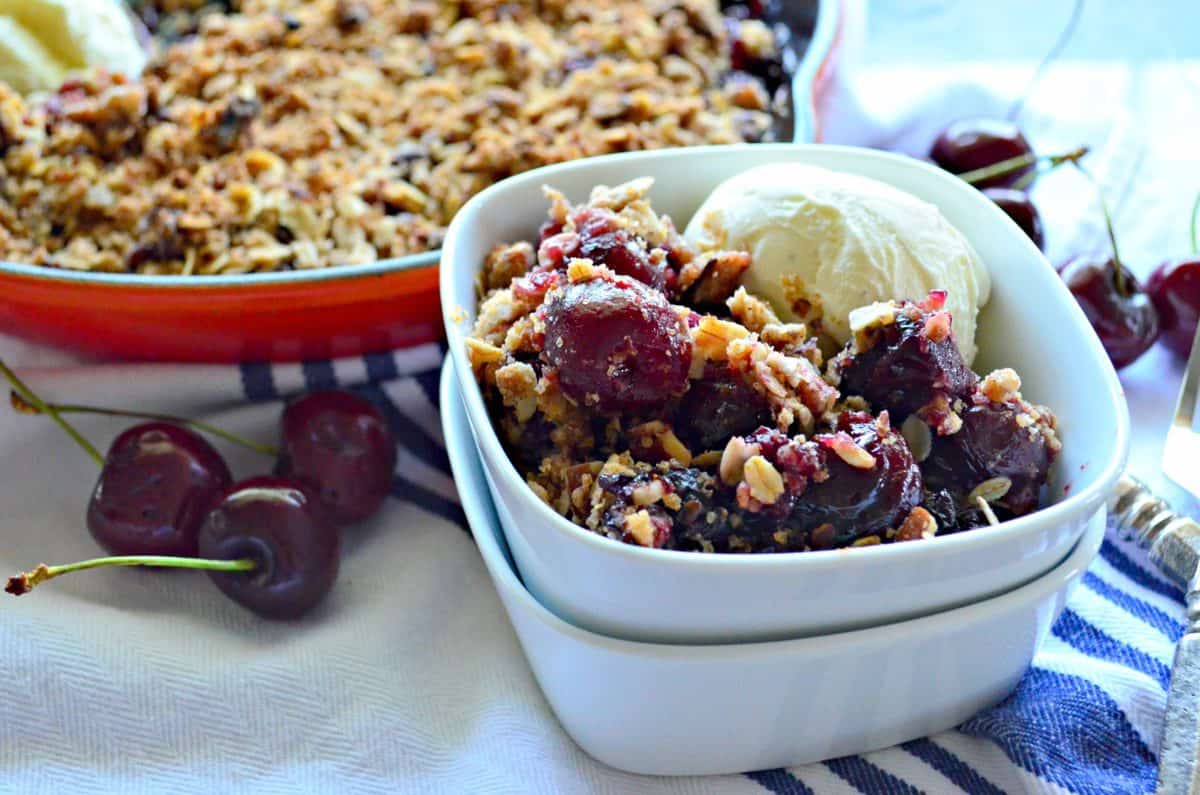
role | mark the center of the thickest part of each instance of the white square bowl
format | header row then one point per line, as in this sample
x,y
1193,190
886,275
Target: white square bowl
x,y
1032,323
696,710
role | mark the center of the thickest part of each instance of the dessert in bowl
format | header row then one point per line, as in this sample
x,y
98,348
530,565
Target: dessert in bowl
x,y
662,709
808,447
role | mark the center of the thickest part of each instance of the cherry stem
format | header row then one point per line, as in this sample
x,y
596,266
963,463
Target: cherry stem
x,y
1119,276
1195,223
20,404
26,582
1021,162
27,394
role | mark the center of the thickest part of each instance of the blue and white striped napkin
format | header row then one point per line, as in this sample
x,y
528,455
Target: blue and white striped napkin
x,y
410,678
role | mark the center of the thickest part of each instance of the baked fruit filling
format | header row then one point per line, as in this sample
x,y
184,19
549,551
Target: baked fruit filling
x,y
647,396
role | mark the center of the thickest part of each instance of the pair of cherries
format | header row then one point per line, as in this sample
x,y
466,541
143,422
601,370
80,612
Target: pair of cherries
x,y
997,158
165,497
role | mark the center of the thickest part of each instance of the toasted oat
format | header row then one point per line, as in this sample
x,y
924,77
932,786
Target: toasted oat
x,y
517,383
480,353
763,479
733,460
991,490
850,452
919,438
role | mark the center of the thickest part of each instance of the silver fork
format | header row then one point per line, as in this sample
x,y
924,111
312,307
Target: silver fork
x,y
1174,542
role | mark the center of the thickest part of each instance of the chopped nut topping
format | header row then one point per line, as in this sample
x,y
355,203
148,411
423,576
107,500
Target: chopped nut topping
x,y
938,327
649,493
919,524
581,270
763,479
1001,386
753,313
880,313
641,528
713,336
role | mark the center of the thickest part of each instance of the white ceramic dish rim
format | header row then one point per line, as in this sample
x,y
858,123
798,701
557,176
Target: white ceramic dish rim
x,y
820,48
478,506
1094,493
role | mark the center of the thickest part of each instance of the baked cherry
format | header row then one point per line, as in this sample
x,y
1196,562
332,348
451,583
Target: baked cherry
x,y
600,237
717,407
995,441
859,499
280,525
1119,310
616,345
971,144
903,364
340,445
1174,287
1019,207
158,482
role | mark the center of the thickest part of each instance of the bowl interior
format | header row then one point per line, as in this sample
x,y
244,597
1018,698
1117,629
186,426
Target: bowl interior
x,y
1031,323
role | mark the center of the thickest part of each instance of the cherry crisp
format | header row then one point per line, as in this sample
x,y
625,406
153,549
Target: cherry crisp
x,y
648,397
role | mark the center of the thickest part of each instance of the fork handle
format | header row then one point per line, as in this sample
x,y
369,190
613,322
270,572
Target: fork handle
x,y
1173,539
1178,756
1174,543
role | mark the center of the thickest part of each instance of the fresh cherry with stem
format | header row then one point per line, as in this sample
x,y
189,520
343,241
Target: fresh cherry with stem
x,y
267,545
156,484
280,524
1174,286
340,445
23,406
337,442
1115,304
1014,201
973,144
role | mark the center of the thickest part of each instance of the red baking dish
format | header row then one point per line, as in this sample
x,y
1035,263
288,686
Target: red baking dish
x,y
295,315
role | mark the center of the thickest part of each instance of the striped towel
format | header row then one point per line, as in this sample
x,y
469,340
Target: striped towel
x,y
409,678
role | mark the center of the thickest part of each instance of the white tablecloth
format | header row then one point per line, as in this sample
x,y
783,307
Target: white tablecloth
x,y
409,678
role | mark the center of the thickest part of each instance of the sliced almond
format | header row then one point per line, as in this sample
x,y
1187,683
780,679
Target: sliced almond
x,y
849,451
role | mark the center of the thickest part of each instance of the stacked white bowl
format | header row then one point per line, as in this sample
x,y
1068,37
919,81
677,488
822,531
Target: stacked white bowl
x,y
681,663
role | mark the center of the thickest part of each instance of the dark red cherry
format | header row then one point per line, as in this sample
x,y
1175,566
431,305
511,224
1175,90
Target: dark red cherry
x,y
158,482
719,406
993,442
279,524
853,502
341,446
1174,288
1118,309
903,365
1019,207
616,344
976,143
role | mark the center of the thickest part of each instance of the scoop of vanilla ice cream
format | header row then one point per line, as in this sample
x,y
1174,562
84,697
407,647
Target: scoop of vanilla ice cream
x,y
823,243
42,41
